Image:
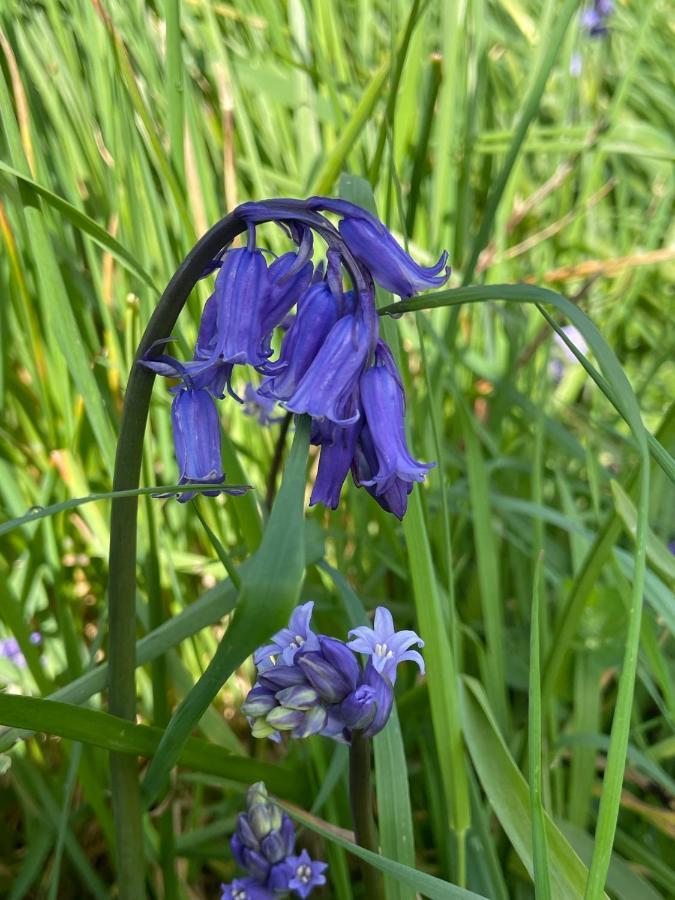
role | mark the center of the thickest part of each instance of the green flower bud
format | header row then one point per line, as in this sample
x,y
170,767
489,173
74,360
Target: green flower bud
x,y
284,719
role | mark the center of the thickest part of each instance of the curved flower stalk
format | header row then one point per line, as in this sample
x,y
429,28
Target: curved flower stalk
x,y
263,844
310,683
332,365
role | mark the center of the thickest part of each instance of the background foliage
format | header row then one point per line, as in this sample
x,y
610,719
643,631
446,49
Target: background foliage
x,y
123,140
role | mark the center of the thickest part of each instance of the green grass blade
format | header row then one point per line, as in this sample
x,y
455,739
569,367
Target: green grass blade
x,y
83,222
425,884
529,110
172,489
508,795
112,733
540,860
270,589
395,824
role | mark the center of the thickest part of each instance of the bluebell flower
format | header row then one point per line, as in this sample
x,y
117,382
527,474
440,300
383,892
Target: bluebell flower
x,y
317,314
263,844
290,276
306,874
327,387
385,646
338,445
382,699
373,245
383,403
357,710
245,889
286,643
594,18
325,368
332,670
206,346
196,433
236,333
197,374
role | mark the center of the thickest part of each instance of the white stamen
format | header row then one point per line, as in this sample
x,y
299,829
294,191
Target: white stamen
x,y
304,873
382,650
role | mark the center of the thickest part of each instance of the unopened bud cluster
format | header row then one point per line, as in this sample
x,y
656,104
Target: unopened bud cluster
x,y
264,846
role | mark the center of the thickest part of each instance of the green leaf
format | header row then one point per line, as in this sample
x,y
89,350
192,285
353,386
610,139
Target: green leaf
x,y
84,223
508,795
42,512
541,865
657,553
397,837
621,879
425,884
271,583
101,729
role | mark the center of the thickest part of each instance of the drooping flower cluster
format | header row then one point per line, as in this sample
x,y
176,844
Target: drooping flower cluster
x,y
332,365
594,18
309,683
263,844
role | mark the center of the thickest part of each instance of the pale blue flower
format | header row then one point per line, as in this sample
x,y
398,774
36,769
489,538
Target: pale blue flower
x,y
385,646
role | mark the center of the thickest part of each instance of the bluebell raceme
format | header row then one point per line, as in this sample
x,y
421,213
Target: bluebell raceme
x,y
332,365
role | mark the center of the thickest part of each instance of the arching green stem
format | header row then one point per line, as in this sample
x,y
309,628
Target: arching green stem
x,y
122,579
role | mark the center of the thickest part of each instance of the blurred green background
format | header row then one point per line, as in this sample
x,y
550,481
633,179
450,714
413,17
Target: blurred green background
x,y
128,129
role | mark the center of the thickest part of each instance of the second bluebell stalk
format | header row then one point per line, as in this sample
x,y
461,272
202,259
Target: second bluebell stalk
x,y
310,683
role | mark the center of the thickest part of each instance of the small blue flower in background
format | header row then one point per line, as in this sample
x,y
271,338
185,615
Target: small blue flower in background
x,y
258,406
310,683
594,18
563,357
386,646
332,364
263,844
10,650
